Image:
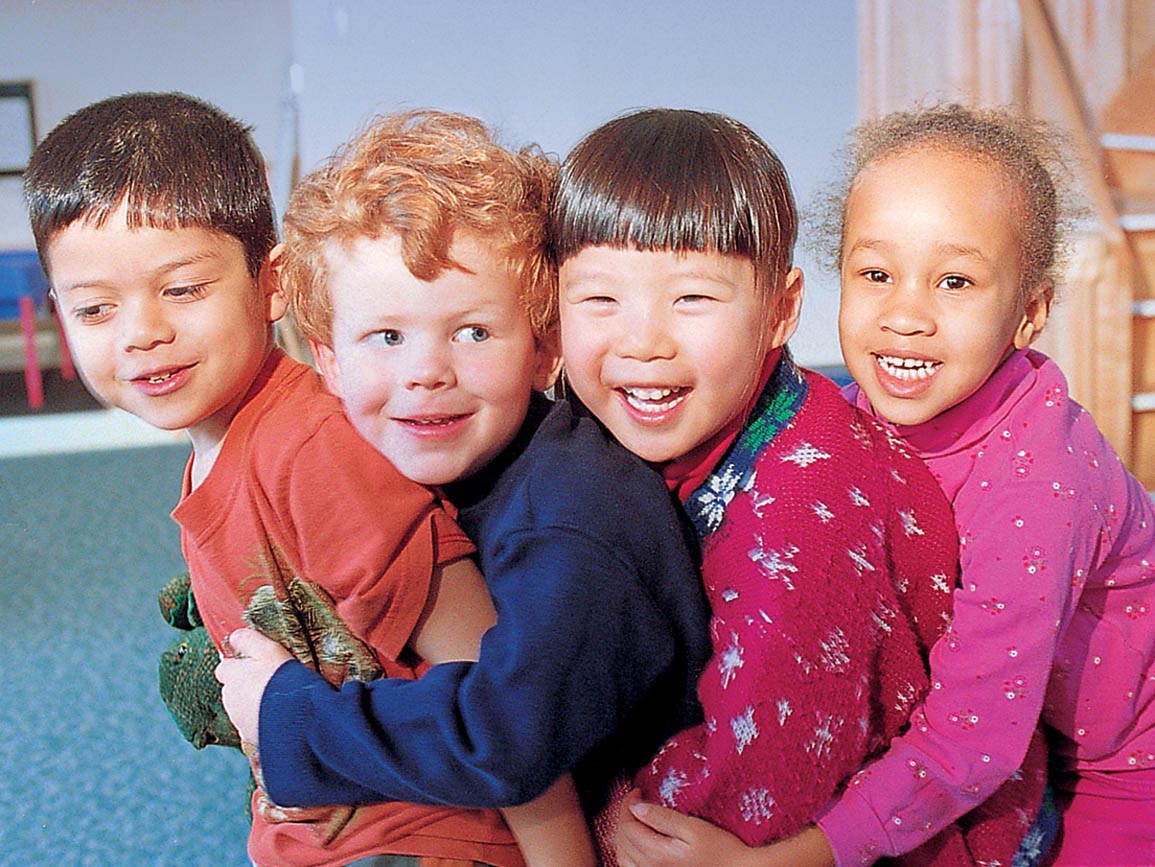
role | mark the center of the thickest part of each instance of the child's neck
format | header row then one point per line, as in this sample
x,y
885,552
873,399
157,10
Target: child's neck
x,y
207,438
208,435
204,456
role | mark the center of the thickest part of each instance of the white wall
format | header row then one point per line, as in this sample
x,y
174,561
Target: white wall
x,y
539,70
234,53
551,70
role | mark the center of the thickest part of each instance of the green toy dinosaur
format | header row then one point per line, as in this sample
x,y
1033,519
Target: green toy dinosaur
x,y
303,619
188,685
290,611
300,617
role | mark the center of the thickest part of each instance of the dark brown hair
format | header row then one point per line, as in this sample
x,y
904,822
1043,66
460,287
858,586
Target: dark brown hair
x,y
680,180
175,160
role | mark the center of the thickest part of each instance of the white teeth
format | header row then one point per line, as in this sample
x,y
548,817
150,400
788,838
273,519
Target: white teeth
x,y
646,399
908,368
649,393
164,377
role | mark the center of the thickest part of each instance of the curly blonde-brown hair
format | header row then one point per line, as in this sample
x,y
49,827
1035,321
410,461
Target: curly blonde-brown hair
x,y
1033,155
421,175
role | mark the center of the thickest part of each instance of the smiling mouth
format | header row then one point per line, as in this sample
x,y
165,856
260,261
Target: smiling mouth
x,y
907,369
654,400
160,377
433,421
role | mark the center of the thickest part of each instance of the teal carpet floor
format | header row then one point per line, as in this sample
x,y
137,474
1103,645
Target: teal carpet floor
x,y
94,772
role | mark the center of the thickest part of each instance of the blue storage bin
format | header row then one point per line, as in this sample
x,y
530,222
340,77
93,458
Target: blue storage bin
x,y
20,274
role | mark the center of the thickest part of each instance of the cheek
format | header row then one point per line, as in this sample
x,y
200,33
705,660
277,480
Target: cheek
x,y
90,349
852,318
577,356
364,385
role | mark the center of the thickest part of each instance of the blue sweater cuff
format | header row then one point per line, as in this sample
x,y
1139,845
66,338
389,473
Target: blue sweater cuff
x,y
293,778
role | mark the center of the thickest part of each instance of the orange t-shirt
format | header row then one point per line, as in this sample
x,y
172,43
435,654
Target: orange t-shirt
x,y
299,506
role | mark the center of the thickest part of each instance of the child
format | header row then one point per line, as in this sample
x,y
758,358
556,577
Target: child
x,y
944,288
416,265
828,550
153,219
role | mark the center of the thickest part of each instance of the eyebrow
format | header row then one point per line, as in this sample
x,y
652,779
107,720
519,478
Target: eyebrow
x,y
161,270
962,250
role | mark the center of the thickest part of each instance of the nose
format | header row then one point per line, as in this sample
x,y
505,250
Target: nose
x,y
428,366
645,334
907,312
145,325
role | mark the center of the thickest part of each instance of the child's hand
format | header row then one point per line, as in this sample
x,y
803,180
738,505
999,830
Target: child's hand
x,y
244,674
656,836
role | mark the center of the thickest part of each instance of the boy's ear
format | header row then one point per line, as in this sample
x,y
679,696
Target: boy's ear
x,y
548,360
270,282
1035,313
787,309
327,363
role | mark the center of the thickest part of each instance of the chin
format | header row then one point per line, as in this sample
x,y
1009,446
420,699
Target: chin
x,y
907,416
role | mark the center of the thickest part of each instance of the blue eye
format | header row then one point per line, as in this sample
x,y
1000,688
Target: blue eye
x,y
387,337
472,334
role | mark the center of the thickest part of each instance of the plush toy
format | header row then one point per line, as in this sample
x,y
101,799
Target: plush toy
x,y
303,619
289,610
188,686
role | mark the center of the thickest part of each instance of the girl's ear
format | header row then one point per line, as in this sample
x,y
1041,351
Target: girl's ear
x,y
270,282
548,361
1035,313
787,308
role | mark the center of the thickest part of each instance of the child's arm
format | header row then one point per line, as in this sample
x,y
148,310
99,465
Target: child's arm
x,y
458,613
551,830
990,673
553,681
601,623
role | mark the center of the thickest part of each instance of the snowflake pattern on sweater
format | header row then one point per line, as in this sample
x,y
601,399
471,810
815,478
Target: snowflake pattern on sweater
x,y
829,554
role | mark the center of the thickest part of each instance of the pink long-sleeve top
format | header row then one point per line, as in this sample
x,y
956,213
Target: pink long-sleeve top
x,y
1054,618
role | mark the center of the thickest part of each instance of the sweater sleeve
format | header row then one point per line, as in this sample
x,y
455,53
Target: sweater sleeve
x,y
784,724
555,676
989,675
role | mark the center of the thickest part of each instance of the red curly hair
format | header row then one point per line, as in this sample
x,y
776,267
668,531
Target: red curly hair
x,y
421,175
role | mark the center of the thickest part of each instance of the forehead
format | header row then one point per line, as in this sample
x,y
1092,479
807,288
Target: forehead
x,y
371,275
109,249
947,170
934,182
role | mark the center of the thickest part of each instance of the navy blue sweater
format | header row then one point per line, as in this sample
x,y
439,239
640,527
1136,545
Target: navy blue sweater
x,y
602,630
